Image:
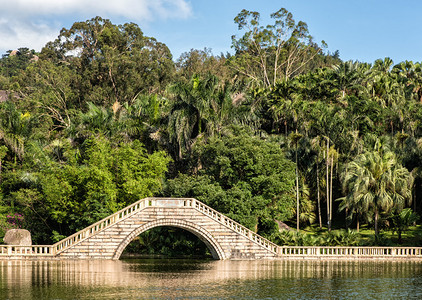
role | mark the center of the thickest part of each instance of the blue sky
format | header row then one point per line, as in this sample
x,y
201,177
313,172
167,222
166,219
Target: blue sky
x,y
361,30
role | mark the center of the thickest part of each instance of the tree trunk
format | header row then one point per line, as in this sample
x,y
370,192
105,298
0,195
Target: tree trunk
x,y
297,194
414,205
327,187
345,218
331,190
357,224
318,195
376,222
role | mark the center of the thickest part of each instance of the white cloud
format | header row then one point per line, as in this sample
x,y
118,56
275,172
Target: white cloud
x,y
15,34
135,9
32,23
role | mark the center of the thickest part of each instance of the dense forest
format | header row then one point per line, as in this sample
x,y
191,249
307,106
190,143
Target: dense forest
x,y
279,131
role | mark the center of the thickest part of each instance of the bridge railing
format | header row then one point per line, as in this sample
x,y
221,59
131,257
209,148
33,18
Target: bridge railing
x,y
101,225
340,251
35,250
240,229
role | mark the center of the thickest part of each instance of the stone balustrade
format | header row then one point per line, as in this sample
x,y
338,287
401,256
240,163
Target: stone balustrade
x,y
22,251
348,252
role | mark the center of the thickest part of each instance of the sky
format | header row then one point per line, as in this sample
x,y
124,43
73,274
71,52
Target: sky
x,y
363,30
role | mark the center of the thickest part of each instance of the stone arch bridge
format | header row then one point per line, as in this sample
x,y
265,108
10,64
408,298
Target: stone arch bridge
x,y
107,238
225,238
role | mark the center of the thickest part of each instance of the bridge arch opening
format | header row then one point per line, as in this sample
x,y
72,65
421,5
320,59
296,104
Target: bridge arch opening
x,y
167,242
203,235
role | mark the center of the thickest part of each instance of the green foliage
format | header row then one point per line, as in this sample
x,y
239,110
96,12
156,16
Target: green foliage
x,y
67,195
269,54
376,182
116,63
403,220
242,176
202,63
15,62
91,121
332,238
108,179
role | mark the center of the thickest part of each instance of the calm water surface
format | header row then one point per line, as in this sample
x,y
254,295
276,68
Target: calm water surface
x,y
193,279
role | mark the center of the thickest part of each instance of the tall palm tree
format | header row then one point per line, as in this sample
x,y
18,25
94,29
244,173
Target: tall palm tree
x,y
375,181
318,148
347,76
15,128
410,75
294,138
382,66
198,110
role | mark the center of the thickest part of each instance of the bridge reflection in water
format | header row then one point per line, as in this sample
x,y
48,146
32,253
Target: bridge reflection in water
x,y
93,272
180,278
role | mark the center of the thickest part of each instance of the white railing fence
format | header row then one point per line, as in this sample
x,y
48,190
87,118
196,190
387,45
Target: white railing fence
x,y
37,250
344,251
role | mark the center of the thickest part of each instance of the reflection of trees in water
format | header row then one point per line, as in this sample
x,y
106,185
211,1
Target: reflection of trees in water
x,y
82,279
129,272
168,241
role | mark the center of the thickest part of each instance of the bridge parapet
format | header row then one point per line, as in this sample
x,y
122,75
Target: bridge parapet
x,y
240,229
102,224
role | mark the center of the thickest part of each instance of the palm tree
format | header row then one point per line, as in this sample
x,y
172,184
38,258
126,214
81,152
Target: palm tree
x,y
15,128
347,76
190,111
354,206
318,148
382,66
332,158
402,220
294,138
375,181
410,75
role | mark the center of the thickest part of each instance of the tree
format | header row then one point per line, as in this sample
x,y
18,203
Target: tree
x,y
295,137
63,186
190,111
318,148
247,178
116,62
53,91
409,74
346,77
202,63
16,61
270,54
200,109
15,128
402,221
3,152
108,179
375,181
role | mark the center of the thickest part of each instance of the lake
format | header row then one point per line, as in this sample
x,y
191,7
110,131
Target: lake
x,y
209,279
